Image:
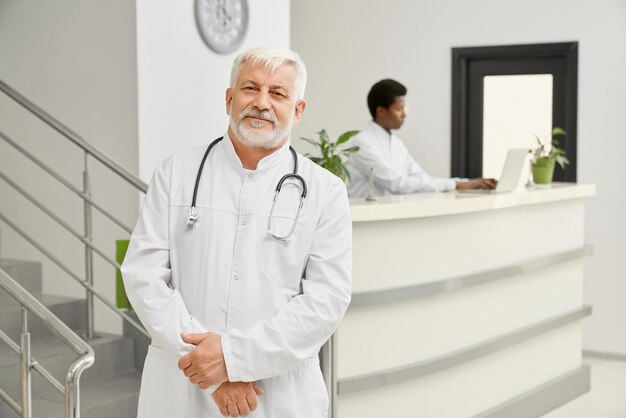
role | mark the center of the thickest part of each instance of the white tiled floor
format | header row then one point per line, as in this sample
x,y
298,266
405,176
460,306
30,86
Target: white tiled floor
x,y
607,397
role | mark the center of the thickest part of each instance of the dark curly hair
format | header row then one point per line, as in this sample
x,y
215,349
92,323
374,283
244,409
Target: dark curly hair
x,y
383,94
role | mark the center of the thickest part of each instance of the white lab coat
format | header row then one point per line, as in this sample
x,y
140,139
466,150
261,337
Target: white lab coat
x,y
274,303
395,170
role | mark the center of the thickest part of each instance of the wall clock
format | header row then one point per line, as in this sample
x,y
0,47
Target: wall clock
x,y
222,24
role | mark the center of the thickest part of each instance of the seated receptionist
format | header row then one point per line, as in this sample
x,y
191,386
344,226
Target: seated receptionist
x,y
394,170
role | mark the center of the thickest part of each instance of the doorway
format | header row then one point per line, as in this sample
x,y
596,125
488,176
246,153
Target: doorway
x,y
502,96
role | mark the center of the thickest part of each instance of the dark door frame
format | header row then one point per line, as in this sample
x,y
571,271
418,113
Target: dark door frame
x,y
470,65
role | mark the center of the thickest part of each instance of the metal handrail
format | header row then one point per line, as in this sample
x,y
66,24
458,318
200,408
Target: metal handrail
x,y
28,302
72,378
38,367
84,194
63,181
74,137
73,275
58,220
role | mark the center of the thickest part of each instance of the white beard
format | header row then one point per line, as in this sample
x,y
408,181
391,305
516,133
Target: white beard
x,y
255,138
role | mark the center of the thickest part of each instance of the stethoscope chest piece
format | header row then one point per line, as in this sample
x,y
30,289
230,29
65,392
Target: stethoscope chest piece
x,y
193,218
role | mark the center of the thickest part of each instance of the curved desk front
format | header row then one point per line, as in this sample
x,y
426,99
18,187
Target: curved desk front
x,y
463,306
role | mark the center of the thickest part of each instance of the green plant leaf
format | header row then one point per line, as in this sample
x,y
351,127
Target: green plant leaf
x,y
562,161
351,149
310,141
332,156
346,136
558,131
323,136
344,174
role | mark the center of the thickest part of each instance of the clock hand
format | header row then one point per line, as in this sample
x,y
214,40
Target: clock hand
x,y
222,15
225,14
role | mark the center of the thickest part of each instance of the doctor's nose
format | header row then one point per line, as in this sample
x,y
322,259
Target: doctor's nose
x,y
262,100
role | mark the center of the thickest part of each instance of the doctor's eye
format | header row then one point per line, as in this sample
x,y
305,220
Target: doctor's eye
x,y
279,94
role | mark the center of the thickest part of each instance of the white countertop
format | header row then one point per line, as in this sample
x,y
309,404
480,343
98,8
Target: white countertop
x,y
420,205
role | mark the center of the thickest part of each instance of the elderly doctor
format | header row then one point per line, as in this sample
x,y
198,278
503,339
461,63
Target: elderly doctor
x,y
240,293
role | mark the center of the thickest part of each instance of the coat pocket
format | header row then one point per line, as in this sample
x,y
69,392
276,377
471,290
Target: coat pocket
x,y
284,260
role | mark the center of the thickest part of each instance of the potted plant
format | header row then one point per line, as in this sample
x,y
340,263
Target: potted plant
x,y
332,158
545,156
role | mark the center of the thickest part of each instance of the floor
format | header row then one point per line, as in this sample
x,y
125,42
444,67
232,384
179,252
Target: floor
x,y
607,397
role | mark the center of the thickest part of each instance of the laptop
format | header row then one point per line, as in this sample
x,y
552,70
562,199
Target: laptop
x,y
511,173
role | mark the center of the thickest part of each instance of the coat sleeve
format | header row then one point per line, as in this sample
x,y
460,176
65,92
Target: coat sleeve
x,y
147,273
296,333
425,182
388,177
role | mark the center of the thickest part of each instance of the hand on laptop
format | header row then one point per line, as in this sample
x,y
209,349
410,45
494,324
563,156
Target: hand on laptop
x,y
478,183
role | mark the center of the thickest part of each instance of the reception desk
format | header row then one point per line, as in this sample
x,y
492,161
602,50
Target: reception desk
x,y
463,305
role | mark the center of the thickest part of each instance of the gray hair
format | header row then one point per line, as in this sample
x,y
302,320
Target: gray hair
x,y
272,58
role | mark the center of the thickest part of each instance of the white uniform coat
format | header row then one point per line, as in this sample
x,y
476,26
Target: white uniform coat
x,y
274,303
395,170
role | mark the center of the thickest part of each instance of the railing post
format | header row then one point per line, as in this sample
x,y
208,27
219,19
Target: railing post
x,y
72,386
25,367
328,356
89,320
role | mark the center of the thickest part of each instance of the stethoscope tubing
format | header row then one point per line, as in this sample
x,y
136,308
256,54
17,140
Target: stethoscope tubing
x,y
204,157
193,217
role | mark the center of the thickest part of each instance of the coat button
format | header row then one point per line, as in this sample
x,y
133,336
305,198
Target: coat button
x,y
236,277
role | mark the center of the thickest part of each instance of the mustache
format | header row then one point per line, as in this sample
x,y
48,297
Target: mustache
x,y
258,114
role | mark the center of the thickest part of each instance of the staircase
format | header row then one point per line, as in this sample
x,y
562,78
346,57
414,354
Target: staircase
x,y
109,389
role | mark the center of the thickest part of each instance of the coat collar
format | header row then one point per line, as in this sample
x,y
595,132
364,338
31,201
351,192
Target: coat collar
x,y
379,131
266,163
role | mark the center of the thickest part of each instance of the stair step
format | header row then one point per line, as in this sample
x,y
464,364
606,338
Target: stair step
x,y
69,310
110,388
26,273
103,398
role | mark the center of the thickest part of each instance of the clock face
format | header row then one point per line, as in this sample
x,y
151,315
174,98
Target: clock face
x,y
222,23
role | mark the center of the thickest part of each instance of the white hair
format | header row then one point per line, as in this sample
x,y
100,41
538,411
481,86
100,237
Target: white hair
x,y
272,58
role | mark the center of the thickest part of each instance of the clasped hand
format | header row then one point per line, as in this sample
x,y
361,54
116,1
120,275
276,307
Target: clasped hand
x,y
205,366
236,399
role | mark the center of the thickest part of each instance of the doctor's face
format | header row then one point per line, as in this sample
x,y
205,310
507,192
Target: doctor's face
x,y
393,117
263,105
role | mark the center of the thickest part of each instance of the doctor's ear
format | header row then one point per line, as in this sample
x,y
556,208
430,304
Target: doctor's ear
x,y
229,99
300,106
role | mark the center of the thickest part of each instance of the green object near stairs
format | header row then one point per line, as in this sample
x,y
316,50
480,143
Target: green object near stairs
x,y
121,300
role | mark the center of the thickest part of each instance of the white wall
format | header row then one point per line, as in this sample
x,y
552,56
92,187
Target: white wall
x,y
181,82
136,81
76,60
349,45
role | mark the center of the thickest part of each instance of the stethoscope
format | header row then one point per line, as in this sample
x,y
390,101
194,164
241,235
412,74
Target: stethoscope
x,y
193,216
